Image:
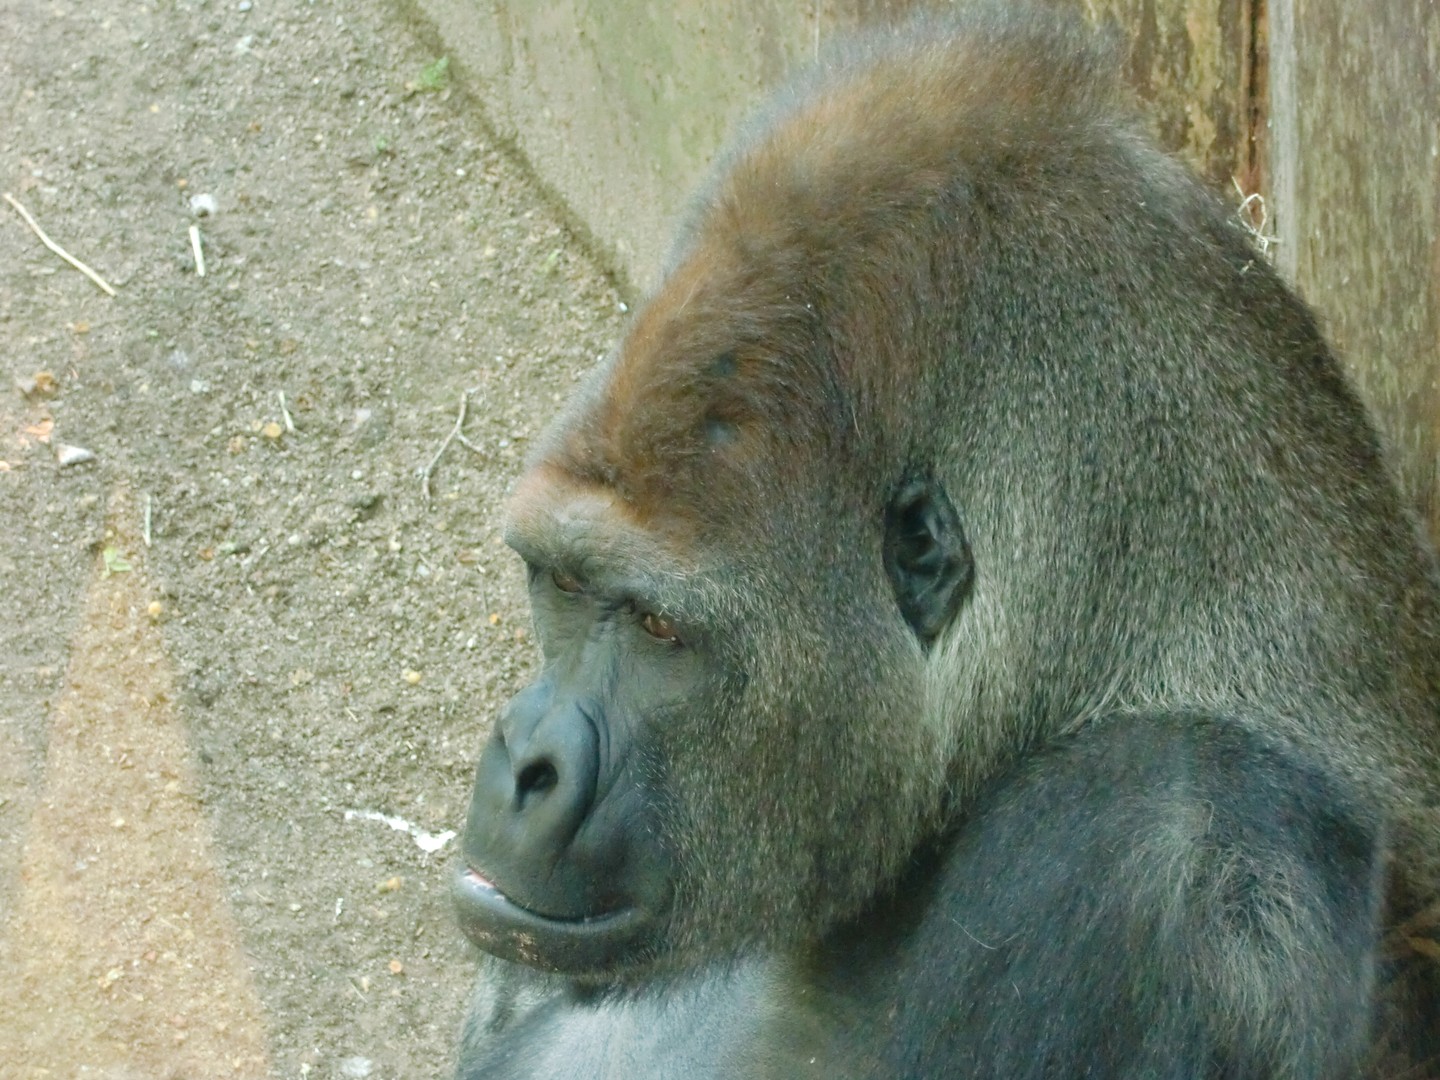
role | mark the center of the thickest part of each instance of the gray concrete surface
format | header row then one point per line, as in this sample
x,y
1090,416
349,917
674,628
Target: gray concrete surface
x,y
621,105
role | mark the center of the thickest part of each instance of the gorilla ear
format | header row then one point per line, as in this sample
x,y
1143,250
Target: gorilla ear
x,y
927,557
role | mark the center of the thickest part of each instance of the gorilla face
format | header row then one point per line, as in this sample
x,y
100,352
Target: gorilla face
x,y
567,867
712,754
742,560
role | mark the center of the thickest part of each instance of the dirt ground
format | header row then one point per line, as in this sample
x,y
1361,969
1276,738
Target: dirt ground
x,y
239,627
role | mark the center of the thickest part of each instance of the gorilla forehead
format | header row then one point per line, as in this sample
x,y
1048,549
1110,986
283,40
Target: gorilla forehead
x,y
723,367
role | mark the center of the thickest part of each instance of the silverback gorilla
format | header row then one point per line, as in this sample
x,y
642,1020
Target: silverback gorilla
x,y
980,635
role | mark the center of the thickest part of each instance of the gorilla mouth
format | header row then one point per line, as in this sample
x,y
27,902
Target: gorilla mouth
x,y
512,931
481,882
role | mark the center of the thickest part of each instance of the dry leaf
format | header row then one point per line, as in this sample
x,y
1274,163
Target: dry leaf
x,y
40,430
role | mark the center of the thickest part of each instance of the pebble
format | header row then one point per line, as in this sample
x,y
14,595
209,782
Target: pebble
x,y
203,205
66,454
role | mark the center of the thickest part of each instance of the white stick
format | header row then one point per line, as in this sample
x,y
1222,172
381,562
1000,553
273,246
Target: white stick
x,y
56,248
195,247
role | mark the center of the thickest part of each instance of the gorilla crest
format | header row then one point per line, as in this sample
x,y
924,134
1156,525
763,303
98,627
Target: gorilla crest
x,y
980,634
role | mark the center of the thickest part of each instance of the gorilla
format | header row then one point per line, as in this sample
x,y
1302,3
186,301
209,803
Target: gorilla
x,y
980,635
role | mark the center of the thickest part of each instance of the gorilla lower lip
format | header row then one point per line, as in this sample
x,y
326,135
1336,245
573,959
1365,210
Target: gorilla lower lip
x,y
499,925
481,882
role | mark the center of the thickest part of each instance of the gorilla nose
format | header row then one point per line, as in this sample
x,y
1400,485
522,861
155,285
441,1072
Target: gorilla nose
x,y
535,780
534,791
543,778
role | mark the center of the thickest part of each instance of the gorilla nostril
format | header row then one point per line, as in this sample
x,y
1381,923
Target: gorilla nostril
x,y
535,780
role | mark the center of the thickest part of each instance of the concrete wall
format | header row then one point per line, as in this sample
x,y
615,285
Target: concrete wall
x,y
621,104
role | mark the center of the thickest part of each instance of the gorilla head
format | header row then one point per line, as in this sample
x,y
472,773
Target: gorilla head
x,y
962,416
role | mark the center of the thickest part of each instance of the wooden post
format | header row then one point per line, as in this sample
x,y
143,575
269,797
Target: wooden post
x,y
1354,191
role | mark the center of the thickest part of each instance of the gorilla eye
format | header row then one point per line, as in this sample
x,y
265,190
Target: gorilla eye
x,y
566,583
660,628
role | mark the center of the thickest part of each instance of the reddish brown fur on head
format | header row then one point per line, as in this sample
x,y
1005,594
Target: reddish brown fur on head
x,y
787,319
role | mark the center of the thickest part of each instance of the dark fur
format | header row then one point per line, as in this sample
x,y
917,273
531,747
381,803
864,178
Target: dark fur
x,y
1135,791
1161,859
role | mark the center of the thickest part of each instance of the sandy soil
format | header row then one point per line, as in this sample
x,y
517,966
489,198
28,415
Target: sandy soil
x,y
242,619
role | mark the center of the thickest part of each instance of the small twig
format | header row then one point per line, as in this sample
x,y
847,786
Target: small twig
x,y
197,250
145,529
285,413
455,436
56,248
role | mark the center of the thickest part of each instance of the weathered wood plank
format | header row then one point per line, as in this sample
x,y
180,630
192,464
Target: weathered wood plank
x,y
1193,62
1355,193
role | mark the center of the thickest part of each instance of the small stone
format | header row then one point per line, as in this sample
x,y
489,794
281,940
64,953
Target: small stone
x,y
41,384
412,676
66,454
203,205
356,1068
